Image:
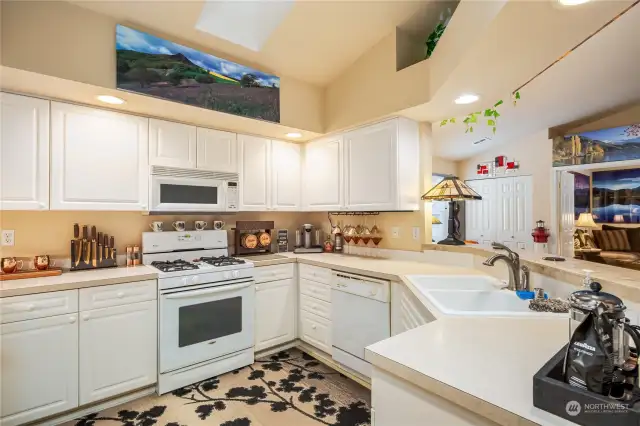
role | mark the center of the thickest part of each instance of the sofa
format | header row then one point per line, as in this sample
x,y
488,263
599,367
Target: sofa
x,y
620,246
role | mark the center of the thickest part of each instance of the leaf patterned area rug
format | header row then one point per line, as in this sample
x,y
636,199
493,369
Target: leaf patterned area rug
x,y
287,389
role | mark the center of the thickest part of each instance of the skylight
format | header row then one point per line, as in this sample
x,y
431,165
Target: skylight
x,y
247,23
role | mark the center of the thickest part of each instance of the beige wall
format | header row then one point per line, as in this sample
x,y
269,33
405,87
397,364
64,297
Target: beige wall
x,y
371,87
51,232
443,166
70,42
534,154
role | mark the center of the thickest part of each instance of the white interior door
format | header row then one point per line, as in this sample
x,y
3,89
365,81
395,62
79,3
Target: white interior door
x,y
522,212
567,214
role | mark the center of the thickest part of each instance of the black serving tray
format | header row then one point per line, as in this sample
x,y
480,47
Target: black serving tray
x,y
552,394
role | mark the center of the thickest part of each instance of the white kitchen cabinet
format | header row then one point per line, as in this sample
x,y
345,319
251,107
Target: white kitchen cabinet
x,y
99,159
24,153
382,166
323,174
480,215
275,313
172,144
255,178
285,172
39,368
217,150
407,312
118,350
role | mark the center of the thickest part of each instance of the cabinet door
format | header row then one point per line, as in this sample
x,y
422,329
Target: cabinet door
x,y
275,313
522,212
118,350
172,144
370,167
407,312
39,368
323,176
99,159
217,151
285,172
24,153
255,177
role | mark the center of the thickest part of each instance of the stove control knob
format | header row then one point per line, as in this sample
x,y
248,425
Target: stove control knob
x,y
227,275
195,279
185,281
236,274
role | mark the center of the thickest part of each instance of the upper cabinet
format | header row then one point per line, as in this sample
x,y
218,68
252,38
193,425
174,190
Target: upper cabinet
x,y
172,144
269,174
285,176
323,174
99,159
255,179
217,151
24,153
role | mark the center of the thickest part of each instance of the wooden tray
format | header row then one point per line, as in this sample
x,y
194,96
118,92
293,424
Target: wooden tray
x,y
30,273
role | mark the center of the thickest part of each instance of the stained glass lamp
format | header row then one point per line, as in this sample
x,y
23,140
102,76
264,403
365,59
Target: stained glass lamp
x,y
452,189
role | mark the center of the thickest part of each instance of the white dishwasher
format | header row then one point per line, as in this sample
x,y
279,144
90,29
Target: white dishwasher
x,y
360,316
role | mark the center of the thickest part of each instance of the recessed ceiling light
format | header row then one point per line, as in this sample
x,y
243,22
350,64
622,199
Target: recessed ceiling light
x,y
110,99
294,135
468,98
572,2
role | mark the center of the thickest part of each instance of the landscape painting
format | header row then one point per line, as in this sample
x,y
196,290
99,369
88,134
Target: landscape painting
x,y
616,196
582,193
153,66
600,146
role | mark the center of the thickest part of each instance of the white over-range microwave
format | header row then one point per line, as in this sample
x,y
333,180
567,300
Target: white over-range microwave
x,y
198,191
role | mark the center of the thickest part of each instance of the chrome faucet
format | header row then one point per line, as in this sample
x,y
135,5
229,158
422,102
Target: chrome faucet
x,y
512,259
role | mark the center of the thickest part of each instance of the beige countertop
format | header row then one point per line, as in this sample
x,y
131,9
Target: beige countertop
x,y
76,279
387,269
623,282
485,365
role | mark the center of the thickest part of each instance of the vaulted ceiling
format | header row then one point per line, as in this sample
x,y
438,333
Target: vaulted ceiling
x,y
315,42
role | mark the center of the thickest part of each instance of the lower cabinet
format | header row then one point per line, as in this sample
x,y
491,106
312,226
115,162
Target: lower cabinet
x,y
407,312
39,368
117,350
275,313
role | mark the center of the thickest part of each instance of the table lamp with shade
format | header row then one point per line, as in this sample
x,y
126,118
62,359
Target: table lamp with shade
x,y
452,189
584,223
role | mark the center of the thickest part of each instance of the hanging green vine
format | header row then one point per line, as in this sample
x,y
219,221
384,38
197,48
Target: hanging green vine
x,y
490,114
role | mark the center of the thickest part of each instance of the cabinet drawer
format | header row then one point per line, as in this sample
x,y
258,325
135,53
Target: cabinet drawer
x,y
273,273
315,330
315,306
20,308
117,294
315,273
315,289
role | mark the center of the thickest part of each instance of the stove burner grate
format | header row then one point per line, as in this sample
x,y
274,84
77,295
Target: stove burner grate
x,y
221,261
172,266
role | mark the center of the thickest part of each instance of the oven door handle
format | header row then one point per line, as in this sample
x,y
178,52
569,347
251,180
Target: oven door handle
x,y
222,289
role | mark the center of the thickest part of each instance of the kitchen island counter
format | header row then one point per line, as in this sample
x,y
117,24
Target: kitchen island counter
x,y
482,365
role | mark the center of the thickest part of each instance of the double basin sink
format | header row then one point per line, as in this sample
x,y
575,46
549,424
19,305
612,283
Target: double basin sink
x,y
473,295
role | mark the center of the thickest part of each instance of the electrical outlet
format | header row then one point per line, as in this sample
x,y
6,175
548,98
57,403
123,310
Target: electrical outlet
x,y
395,232
416,233
8,237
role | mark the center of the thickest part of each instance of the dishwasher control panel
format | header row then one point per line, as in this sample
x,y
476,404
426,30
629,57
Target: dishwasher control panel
x,y
371,288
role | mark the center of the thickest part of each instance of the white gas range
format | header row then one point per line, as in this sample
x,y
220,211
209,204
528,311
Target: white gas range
x,y
206,298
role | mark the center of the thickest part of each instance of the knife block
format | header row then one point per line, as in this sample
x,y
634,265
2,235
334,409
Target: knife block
x,y
92,251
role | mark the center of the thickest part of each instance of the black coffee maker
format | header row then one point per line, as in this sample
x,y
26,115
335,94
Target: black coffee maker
x,y
599,356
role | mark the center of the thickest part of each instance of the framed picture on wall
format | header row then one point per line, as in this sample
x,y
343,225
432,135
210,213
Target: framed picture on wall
x,y
616,196
598,146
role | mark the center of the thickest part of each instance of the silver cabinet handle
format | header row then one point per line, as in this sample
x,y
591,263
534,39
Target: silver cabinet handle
x,y
223,289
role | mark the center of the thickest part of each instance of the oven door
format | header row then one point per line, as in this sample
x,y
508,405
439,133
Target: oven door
x,y
187,194
204,323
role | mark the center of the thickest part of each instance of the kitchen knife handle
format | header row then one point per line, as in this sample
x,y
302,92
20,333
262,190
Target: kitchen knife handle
x,y
76,231
112,242
106,240
94,233
85,232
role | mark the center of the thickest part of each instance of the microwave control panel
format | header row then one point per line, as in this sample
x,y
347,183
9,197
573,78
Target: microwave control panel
x,y
232,196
